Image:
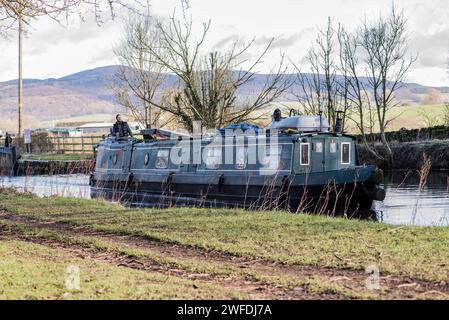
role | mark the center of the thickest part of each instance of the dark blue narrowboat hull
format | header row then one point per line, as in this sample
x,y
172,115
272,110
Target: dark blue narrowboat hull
x,y
347,191
316,172
8,161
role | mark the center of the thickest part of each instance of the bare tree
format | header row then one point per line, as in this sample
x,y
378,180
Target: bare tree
x,y
320,89
430,119
137,84
344,84
446,114
433,96
310,96
384,41
208,85
22,12
446,106
29,10
326,50
355,94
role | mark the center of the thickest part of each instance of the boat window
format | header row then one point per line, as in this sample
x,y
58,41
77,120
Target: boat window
x,y
102,158
271,158
115,159
162,158
345,153
147,158
319,147
241,157
333,146
213,158
305,154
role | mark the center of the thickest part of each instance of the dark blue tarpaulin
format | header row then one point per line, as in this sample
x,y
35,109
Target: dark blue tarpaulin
x,y
241,126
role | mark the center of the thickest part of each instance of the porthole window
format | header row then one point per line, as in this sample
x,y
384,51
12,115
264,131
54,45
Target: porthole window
x,y
333,146
102,158
272,158
345,153
162,159
213,157
146,159
241,157
115,159
304,154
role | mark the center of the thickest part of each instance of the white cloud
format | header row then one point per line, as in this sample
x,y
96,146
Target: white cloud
x,y
55,50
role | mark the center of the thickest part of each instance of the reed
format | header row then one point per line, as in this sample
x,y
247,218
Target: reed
x,y
423,174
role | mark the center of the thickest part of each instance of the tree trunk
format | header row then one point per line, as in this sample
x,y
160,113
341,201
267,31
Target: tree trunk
x,y
387,146
20,84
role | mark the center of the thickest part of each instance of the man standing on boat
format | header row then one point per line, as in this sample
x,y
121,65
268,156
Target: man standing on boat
x,y
121,128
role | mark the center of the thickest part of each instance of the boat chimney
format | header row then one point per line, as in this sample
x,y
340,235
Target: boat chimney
x,y
321,120
277,115
338,127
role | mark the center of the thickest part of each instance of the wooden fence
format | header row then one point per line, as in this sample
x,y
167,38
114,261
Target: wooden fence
x,y
83,144
60,144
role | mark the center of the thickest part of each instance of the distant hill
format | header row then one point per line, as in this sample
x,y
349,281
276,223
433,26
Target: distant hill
x,y
87,93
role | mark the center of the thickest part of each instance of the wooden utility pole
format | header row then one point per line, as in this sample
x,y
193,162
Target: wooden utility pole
x,y
20,88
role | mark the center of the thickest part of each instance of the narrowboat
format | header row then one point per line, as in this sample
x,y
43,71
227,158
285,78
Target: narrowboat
x,y
8,160
298,164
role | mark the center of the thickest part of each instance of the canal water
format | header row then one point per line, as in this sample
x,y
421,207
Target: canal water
x,y
73,185
403,205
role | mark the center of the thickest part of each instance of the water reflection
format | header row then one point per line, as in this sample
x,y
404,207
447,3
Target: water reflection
x,y
404,204
73,185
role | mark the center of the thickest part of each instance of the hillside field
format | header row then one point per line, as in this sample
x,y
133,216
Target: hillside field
x,y
409,117
87,96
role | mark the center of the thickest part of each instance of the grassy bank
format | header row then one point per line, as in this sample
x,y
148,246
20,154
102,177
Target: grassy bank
x,y
58,157
309,252
32,271
277,236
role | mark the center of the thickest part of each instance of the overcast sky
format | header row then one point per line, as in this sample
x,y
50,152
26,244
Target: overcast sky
x,y
52,50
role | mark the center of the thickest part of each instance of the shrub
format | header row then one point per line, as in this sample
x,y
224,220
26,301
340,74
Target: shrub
x,y
41,142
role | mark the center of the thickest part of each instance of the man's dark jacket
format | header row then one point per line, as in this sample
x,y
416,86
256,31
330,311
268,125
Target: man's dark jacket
x,y
122,128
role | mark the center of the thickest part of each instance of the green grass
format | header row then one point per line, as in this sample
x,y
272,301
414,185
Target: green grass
x,y
32,271
420,252
58,157
412,117
409,117
313,283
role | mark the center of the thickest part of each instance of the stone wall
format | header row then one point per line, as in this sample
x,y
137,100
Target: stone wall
x,y
409,155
